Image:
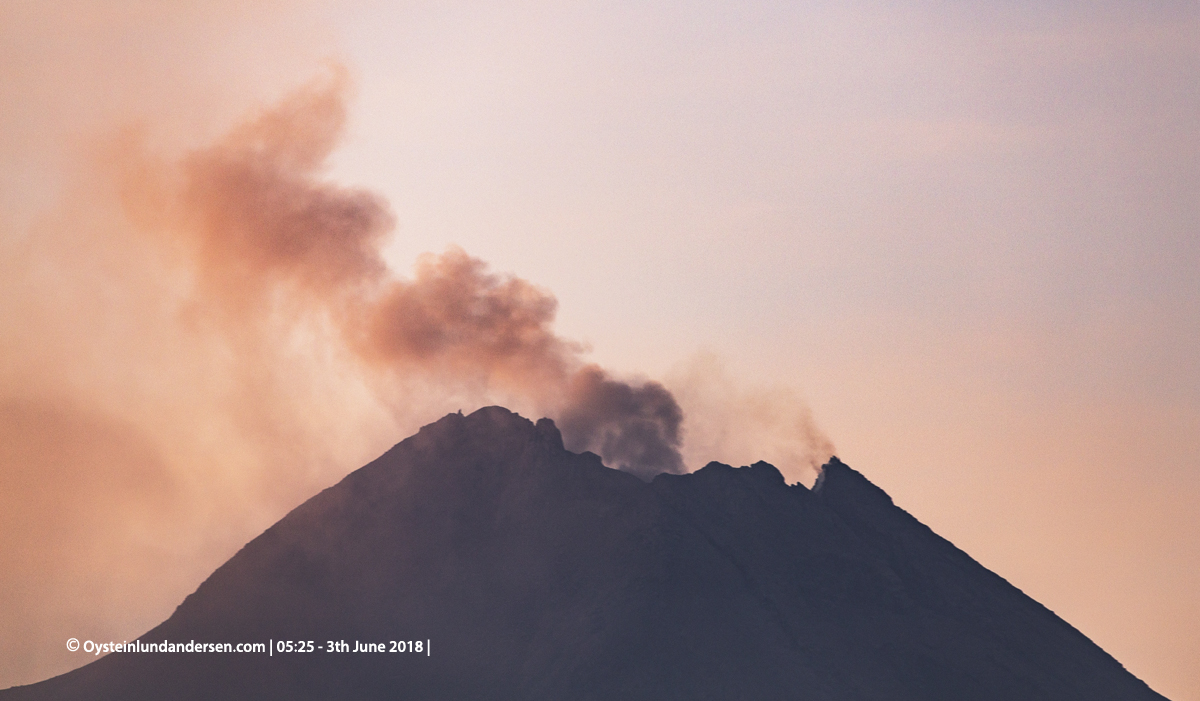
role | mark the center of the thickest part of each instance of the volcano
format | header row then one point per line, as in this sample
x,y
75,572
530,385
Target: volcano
x,y
479,559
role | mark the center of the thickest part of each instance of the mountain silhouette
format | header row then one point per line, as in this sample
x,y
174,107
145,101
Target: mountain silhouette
x,y
526,571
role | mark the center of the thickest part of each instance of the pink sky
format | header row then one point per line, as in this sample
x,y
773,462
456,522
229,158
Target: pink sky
x,y
965,236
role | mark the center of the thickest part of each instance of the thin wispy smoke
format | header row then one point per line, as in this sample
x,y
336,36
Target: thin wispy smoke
x,y
737,422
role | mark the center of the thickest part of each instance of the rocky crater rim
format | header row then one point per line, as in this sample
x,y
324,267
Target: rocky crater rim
x,y
498,419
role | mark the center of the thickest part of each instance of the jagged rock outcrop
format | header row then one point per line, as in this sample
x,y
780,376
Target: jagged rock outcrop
x,y
537,573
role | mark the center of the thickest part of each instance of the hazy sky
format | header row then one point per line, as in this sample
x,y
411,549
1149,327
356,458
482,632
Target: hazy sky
x,y
966,235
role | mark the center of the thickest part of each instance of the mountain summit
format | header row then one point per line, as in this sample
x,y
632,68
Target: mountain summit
x,y
524,571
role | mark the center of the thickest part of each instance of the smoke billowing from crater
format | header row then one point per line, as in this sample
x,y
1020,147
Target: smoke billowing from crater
x,y
261,231
636,428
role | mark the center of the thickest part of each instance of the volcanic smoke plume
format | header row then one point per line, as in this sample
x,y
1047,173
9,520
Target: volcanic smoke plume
x,y
209,337
261,230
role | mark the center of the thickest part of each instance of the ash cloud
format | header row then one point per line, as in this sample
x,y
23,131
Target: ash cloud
x,y
251,212
262,231
455,315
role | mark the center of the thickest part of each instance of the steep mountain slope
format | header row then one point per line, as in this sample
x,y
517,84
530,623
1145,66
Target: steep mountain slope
x,y
534,572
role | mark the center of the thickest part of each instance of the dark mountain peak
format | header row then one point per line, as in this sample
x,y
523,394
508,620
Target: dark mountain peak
x,y
549,433
536,572
459,455
839,483
492,430
489,420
